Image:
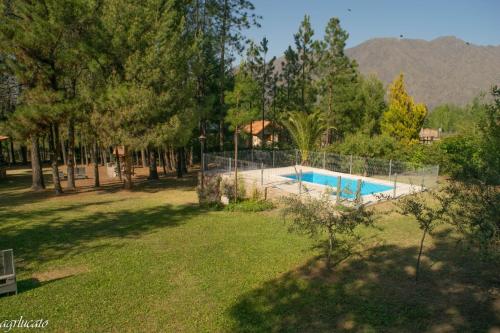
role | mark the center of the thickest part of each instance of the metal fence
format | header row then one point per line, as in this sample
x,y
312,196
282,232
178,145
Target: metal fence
x,y
263,166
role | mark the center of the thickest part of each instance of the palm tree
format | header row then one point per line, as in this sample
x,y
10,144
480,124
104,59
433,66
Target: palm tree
x,y
306,131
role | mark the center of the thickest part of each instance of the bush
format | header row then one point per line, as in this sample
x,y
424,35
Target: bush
x,y
211,193
250,206
227,189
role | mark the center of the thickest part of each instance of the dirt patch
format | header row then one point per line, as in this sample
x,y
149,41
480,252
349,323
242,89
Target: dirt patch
x,y
60,273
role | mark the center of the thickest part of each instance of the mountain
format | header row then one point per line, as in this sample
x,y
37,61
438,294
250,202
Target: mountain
x,y
444,70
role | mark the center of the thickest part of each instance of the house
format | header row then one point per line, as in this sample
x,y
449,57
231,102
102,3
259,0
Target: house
x,y
255,128
428,135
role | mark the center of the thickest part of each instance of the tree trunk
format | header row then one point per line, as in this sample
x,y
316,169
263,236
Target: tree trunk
x,y
179,162
118,166
168,159
12,153
184,161
54,153
24,154
64,154
236,165
153,171
86,154
162,160
127,184
417,270
143,158
71,154
36,167
95,156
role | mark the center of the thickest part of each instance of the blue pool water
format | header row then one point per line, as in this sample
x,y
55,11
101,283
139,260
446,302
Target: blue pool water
x,y
347,185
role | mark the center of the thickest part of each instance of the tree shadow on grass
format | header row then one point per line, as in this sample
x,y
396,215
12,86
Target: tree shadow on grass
x,y
55,239
15,190
376,292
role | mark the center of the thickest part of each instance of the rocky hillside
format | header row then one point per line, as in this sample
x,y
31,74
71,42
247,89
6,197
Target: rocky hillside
x,y
444,70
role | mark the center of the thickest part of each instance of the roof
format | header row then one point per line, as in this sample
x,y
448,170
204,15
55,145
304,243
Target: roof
x,y
3,137
429,133
256,126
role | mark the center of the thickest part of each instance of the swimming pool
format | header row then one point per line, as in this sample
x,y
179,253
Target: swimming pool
x,y
347,185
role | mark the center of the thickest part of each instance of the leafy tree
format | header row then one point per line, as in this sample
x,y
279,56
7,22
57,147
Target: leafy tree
x,y
427,214
41,41
242,110
338,82
306,131
316,216
473,209
490,140
372,100
404,118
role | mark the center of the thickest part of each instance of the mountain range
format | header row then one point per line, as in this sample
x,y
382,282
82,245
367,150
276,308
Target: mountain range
x,y
443,70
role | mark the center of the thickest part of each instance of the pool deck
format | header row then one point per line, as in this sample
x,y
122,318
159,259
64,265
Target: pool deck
x,y
273,178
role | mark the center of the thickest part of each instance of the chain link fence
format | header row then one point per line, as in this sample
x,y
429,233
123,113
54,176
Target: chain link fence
x,y
272,168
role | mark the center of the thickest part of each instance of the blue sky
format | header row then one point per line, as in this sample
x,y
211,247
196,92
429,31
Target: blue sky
x,y
475,21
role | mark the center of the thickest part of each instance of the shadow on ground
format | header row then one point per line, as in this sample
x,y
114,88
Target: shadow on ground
x,y
376,292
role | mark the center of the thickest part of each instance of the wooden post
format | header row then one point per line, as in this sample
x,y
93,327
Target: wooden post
x,y
358,191
395,183
390,168
300,182
339,188
261,174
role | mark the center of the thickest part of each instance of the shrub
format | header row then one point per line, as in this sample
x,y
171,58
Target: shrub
x,y
250,206
211,193
227,189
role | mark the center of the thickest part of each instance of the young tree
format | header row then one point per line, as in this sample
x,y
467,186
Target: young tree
x,y
315,216
427,214
242,111
404,118
306,131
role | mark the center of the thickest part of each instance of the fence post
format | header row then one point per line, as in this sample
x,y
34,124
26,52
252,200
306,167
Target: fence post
x,y
423,180
350,165
390,168
339,187
261,174
358,191
300,182
324,160
395,184
229,164
273,158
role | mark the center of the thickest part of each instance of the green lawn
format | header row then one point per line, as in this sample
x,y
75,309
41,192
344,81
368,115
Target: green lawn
x,y
151,260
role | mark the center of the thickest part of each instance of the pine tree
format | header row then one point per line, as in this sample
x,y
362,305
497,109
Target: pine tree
x,y
404,118
243,110
305,49
338,82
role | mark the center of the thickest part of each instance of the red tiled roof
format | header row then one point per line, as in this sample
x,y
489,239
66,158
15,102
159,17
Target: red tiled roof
x,y
256,126
3,137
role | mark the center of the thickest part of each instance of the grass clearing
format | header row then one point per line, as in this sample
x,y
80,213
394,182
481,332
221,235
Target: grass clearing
x,y
152,260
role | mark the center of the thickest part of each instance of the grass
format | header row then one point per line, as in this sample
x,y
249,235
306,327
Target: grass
x,y
152,260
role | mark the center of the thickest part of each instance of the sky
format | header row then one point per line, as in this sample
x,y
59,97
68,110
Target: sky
x,y
475,21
